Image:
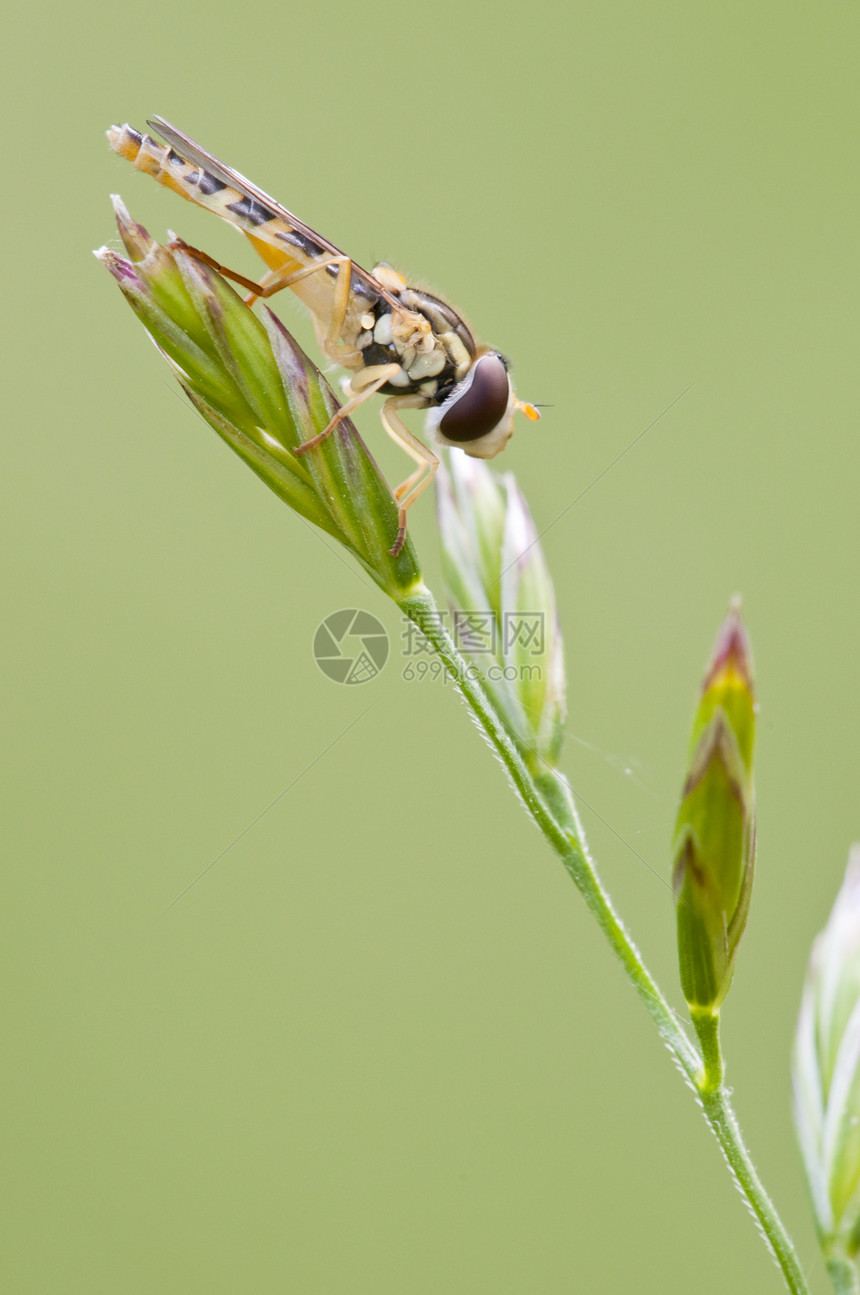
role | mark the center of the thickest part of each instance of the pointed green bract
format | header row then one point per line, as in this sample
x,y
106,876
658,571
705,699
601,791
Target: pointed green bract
x,y
714,844
503,602
264,397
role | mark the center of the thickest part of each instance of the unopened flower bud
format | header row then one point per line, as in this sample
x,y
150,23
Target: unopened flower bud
x,y
714,844
503,603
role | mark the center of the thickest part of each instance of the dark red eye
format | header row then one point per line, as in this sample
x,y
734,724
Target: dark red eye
x,y
478,405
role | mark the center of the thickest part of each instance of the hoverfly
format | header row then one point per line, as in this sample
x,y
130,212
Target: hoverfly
x,y
397,340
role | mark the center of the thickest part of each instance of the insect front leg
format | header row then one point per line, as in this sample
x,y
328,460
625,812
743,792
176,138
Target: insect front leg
x,y
363,385
418,481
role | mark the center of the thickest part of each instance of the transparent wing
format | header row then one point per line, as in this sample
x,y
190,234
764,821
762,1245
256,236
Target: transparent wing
x,y
192,152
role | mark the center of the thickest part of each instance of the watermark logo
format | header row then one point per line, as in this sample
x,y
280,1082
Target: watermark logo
x,y
351,646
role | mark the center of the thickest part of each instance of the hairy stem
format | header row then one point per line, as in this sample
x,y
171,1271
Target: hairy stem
x,y
548,799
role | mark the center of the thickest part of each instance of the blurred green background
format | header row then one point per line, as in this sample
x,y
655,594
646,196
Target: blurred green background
x,y
380,1047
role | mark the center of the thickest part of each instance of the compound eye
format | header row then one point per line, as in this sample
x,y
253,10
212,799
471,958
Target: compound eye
x,y
479,404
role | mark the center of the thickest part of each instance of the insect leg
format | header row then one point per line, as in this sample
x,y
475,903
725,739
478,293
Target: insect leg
x,y
363,385
276,280
328,332
347,356
417,482
179,245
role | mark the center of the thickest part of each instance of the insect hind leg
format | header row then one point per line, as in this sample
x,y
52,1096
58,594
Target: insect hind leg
x,y
180,245
276,280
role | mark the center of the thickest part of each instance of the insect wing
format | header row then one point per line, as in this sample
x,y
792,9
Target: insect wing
x,y
192,152
264,208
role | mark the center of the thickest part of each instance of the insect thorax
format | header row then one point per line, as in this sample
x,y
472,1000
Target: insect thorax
x,y
429,340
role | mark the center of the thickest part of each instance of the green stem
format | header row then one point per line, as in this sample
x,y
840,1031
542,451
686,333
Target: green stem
x,y
721,1117
707,1026
548,799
